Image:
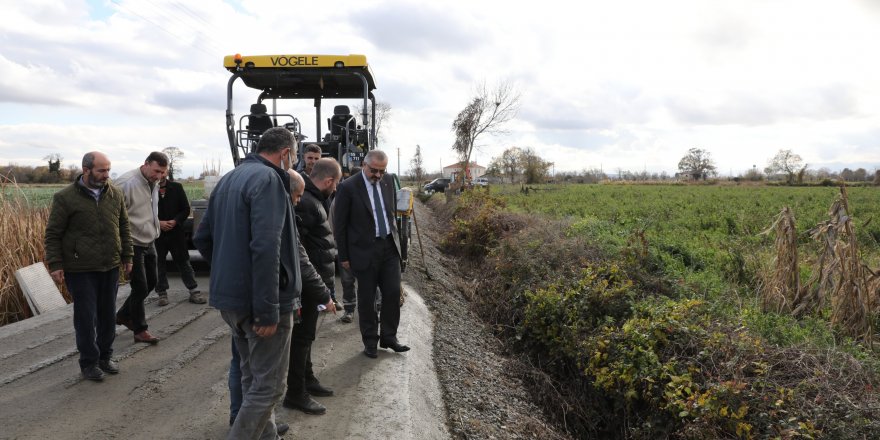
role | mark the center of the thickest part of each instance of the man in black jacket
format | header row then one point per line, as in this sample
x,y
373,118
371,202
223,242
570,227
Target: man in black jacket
x,y
173,211
317,238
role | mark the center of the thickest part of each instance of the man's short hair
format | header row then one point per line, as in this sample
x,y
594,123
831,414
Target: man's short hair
x,y
159,157
312,148
89,161
276,139
325,168
375,156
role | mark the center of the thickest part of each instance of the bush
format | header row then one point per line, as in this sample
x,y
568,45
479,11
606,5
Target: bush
x,y
624,354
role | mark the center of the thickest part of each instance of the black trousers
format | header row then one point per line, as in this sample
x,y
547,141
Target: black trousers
x,y
384,273
94,301
175,242
299,372
143,280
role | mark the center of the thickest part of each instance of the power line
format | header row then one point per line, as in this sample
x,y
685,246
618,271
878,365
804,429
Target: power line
x,y
162,28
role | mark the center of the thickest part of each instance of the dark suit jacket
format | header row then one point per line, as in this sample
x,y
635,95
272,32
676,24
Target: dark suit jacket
x,y
173,205
353,224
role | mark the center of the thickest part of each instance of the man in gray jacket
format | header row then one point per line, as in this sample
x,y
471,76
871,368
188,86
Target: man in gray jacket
x,y
141,189
249,236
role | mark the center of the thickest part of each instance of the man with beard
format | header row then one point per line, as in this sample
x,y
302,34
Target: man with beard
x,y
87,239
317,237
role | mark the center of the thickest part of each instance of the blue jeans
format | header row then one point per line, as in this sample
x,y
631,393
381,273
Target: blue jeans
x,y
94,317
264,363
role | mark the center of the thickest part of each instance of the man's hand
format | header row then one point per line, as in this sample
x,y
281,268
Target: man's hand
x,y
57,276
345,264
265,331
331,307
167,225
127,267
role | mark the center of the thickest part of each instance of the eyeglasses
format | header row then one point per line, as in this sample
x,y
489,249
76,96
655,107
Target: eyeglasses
x,y
378,171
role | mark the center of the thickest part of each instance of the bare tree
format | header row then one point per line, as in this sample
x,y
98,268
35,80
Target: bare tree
x,y
383,114
508,163
174,155
487,112
416,167
786,162
697,163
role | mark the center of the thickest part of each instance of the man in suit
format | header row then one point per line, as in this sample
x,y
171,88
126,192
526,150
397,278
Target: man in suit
x,y
368,245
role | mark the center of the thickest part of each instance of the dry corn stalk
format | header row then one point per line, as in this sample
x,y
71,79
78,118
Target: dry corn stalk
x,y
22,227
782,288
841,275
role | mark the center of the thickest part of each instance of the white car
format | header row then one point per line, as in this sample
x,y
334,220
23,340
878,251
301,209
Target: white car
x,y
481,181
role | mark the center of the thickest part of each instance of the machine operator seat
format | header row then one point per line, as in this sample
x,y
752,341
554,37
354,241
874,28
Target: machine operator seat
x,y
341,116
258,120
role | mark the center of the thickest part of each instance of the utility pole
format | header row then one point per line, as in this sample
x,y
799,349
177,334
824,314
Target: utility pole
x,y
398,162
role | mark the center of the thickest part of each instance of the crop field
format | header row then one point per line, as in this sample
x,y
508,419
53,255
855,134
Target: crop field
x,y
41,195
648,302
709,229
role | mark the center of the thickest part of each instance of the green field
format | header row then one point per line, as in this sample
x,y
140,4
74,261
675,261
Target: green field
x,y
41,195
706,229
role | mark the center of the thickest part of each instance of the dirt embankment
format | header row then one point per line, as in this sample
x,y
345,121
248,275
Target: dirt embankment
x,y
484,396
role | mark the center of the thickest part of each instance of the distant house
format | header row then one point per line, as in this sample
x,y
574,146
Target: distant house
x,y
456,168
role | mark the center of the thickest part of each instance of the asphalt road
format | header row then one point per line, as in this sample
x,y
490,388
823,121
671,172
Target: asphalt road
x,y
178,388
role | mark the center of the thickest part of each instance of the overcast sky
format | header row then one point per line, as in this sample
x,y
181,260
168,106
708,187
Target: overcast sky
x,y
619,85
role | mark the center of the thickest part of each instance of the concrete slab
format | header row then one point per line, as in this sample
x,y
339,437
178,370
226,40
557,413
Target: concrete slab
x,y
40,290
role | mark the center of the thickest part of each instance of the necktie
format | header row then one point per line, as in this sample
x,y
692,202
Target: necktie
x,y
380,216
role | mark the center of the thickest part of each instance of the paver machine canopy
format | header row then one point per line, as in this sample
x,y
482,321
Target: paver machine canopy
x,y
313,77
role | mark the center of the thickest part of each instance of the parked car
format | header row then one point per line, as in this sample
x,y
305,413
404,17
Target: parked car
x,y
481,181
437,185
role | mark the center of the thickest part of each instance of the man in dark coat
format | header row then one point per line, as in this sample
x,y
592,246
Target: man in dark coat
x,y
368,243
317,237
173,212
249,236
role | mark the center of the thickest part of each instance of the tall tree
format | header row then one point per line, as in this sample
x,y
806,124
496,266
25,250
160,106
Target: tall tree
x,y
697,163
534,168
787,163
174,155
54,161
487,112
383,115
416,167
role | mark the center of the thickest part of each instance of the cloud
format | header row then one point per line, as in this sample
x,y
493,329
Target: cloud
x,y
417,28
835,101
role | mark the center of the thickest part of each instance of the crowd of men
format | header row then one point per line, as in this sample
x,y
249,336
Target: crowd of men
x,y
273,237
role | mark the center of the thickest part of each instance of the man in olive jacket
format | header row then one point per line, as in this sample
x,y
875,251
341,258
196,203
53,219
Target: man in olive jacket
x,y
87,239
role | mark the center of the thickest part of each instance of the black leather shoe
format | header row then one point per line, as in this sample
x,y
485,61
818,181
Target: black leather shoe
x,y
370,352
108,366
396,346
281,428
316,389
92,372
304,403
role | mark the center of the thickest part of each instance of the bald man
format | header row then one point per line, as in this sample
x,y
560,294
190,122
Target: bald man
x,y
87,240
